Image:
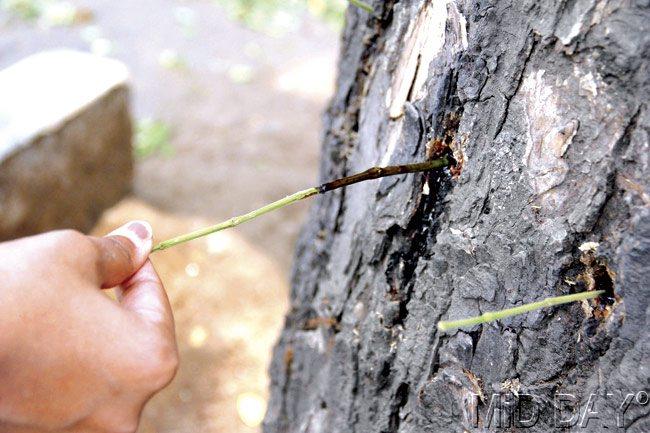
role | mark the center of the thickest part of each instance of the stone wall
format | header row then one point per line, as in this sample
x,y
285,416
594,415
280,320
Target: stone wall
x,y
65,141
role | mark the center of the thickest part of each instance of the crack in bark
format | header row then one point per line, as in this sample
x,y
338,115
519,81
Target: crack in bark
x,y
400,399
504,115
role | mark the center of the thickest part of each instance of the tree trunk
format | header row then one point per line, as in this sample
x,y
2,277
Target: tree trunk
x,y
544,107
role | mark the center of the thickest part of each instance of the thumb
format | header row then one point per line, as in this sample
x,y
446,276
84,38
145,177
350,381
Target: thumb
x,y
122,252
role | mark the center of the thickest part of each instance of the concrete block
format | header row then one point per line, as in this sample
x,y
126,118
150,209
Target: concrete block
x,y
65,141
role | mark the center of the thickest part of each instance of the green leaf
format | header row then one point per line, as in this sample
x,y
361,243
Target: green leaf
x,y
151,137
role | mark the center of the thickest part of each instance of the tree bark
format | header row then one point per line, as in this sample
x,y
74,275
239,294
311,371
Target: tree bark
x,y
543,105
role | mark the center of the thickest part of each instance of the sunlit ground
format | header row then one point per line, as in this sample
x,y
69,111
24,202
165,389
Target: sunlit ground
x,y
227,100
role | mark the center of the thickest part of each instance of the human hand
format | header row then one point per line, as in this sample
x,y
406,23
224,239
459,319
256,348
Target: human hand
x,y
72,359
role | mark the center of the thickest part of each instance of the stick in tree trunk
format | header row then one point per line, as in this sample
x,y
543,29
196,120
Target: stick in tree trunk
x,y
491,316
371,173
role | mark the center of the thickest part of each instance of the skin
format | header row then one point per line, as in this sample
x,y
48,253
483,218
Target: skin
x,y
71,358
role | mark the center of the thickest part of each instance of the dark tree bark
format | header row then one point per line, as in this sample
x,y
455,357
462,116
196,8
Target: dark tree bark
x,y
544,105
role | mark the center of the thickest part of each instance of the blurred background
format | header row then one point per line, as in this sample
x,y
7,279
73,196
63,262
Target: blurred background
x,y
226,101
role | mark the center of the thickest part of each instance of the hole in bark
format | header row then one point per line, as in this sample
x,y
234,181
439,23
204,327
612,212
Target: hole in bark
x,y
592,272
598,276
445,143
603,281
475,335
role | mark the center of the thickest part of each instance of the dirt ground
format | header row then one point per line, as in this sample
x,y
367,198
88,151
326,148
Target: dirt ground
x,y
244,109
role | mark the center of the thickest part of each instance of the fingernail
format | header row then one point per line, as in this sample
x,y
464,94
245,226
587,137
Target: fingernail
x,y
141,229
138,232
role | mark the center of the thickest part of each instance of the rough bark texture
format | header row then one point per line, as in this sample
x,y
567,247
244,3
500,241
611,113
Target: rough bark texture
x,y
544,105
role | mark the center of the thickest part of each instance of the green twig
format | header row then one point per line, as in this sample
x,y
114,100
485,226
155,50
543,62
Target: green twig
x,y
371,173
235,221
361,5
491,316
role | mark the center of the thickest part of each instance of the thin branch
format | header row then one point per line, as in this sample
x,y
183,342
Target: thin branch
x,y
371,173
235,221
491,316
377,172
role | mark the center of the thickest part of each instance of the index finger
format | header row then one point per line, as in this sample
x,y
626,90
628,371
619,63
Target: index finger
x,y
144,295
